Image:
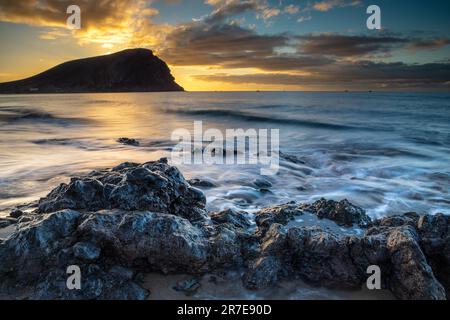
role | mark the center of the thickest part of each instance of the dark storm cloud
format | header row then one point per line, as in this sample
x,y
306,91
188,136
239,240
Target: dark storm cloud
x,y
232,46
348,46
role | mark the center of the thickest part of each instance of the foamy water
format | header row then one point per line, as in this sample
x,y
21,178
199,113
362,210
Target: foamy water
x,y
388,153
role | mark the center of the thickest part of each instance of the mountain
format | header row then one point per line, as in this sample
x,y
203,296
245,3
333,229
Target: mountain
x,y
131,70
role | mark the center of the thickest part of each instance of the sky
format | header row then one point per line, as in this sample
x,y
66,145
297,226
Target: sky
x,y
215,45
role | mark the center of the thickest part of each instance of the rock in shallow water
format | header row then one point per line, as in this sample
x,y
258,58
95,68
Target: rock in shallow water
x,y
128,141
323,258
147,218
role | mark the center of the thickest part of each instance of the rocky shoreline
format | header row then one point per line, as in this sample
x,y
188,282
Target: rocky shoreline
x,y
119,224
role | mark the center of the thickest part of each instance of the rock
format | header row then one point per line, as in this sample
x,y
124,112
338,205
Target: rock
x,y
225,249
128,141
16,214
189,287
202,183
131,70
322,258
278,214
86,251
275,241
434,232
409,218
262,273
136,218
412,277
343,212
154,241
121,272
154,186
33,247
79,194
96,283
125,165
229,216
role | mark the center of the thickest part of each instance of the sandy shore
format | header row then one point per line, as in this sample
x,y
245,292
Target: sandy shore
x,y
213,287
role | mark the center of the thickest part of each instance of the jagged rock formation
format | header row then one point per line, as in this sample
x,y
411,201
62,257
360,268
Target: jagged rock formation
x,y
135,218
132,70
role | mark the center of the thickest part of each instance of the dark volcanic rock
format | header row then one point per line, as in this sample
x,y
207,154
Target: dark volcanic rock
x,y
154,186
96,282
434,232
28,251
235,218
137,218
132,70
412,277
342,212
16,213
202,183
323,258
262,273
156,241
86,251
278,214
128,141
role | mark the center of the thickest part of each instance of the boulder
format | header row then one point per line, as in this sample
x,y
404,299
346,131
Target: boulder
x,y
36,245
343,212
154,186
153,241
96,283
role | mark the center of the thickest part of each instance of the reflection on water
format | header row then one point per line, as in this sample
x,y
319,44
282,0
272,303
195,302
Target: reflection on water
x,y
388,153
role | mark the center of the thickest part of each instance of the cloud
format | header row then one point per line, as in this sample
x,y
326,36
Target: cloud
x,y
219,40
327,5
304,18
292,9
363,75
339,45
231,46
348,46
227,8
429,44
101,21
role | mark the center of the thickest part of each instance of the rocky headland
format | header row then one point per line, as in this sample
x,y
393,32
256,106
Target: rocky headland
x,y
131,70
121,223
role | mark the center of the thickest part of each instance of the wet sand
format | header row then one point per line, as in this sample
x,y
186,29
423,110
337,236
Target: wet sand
x,y
213,287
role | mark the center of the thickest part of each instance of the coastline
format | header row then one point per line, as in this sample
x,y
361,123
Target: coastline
x,y
80,220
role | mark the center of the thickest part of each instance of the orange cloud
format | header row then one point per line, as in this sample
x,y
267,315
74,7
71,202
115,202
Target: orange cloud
x,y
109,22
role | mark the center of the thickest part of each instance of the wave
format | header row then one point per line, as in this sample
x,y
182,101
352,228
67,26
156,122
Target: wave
x,y
13,115
263,118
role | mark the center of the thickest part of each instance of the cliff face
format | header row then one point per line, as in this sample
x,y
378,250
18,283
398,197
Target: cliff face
x,y
132,70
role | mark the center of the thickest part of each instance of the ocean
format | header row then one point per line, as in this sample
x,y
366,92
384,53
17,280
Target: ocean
x,y
386,152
